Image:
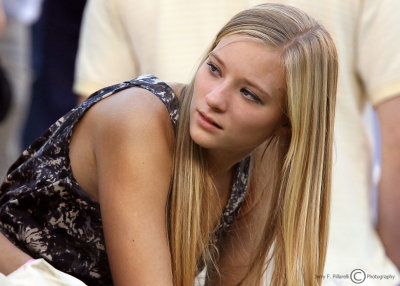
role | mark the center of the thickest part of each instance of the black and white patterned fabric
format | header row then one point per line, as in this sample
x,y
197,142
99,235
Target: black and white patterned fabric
x,y
44,211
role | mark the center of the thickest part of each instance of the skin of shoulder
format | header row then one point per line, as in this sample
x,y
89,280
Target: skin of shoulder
x,y
116,118
131,139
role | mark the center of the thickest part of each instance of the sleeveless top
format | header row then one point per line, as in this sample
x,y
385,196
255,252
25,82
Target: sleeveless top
x,y
44,211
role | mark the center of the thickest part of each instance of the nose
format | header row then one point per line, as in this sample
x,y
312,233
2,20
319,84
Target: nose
x,y
218,98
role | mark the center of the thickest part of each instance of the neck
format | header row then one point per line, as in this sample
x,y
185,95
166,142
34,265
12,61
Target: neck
x,y
222,172
222,163
219,164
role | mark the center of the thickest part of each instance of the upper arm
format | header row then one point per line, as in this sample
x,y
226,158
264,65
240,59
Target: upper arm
x,y
389,195
389,118
133,150
3,19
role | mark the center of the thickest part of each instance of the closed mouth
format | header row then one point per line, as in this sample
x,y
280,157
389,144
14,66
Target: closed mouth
x,y
210,120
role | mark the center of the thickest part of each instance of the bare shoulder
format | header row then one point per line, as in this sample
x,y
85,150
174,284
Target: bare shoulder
x,y
130,107
123,126
131,120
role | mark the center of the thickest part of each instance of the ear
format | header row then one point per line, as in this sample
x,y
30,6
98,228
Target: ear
x,y
284,128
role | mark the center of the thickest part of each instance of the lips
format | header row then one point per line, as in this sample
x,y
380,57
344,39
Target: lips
x,y
209,120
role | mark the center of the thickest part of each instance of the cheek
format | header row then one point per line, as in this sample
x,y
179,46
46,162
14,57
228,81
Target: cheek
x,y
203,80
260,127
192,102
199,83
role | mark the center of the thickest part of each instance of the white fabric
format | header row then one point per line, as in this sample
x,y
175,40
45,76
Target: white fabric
x,y
39,273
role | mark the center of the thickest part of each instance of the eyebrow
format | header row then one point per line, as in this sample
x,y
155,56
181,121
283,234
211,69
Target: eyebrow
x,y
214,55
248,82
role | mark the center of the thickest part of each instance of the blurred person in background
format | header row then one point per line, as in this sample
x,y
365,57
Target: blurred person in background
x,y
121,39
5,90
367,36
15,45
55,42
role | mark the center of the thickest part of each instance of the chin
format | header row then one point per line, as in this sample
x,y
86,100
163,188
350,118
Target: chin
x,y
202,140
198,139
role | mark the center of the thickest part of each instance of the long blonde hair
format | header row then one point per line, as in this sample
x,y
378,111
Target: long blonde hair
x,y
295,236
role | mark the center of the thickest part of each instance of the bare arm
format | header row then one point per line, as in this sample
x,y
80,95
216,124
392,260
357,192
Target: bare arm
x,y
3,18
11,257
389,192
133,150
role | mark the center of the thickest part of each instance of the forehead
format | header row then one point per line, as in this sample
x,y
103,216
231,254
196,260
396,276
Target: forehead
x,y
237,38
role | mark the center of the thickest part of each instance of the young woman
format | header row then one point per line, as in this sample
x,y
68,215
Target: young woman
x,y
150,189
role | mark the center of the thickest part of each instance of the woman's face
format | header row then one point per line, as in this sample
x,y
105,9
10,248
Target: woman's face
x,y
238,96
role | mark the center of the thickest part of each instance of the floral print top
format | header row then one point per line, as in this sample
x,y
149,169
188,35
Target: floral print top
x,y
44,211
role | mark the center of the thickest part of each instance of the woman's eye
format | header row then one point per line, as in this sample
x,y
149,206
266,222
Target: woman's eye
x,y
213,68
249,95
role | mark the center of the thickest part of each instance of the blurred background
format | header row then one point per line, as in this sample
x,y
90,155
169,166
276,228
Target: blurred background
x,y
38,48
55,53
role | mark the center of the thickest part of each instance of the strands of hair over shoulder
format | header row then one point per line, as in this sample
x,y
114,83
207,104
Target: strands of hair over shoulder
x,y
191,205
294,243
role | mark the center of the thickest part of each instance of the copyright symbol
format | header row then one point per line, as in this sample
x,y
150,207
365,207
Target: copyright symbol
x,y
357,276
